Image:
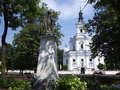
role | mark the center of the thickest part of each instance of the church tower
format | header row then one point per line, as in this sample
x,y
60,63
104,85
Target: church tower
x,y
80,33
80,24
79,54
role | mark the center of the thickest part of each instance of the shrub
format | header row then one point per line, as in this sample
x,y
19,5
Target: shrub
x,y
1,84
64,67
107,87
20,85
101,66
70,82
5,85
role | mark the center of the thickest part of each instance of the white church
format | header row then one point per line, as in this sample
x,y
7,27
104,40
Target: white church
x,y
78,53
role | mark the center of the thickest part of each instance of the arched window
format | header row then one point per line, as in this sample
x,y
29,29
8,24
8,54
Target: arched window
x,y
74,63
81,30
73,60
82,46
90,60
91,64
82,60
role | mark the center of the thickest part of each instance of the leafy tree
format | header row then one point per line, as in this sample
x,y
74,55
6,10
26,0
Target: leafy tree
x,y
27,42
9,58
26,47
15,13
0,57
106,27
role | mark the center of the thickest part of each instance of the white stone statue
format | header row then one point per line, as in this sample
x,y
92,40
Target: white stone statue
x,y
46,69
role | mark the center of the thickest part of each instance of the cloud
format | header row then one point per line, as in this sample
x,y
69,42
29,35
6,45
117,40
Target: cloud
x,y
69,9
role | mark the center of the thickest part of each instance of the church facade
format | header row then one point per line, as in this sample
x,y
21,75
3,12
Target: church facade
x,y
78,55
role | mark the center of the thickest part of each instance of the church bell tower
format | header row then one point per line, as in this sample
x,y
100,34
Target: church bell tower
x,y
80,24
80,33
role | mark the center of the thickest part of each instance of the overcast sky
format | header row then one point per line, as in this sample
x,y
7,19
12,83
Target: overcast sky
x,y
69,10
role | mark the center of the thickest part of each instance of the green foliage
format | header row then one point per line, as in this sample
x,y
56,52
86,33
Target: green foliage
x,y
26,45
15,84
15,13
98,82
106,28
20,85
9,57
106,87
27,42
69,82
3,85
18,12
6,84
64,67
101,66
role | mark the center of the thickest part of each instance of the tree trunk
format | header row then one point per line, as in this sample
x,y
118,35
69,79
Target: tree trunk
x,y
4,46
3,63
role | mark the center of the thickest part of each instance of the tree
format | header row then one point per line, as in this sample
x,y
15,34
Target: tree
x,y
9,57
106,27
15,13
26,45
27,42
0,57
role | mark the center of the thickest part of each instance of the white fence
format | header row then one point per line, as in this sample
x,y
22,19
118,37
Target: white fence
x,y
88,72
66,72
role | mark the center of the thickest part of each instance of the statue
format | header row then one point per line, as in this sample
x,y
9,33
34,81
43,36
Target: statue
x,y
46,68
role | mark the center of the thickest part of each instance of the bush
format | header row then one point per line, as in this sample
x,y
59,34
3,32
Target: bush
x,y
20,85
69,82
101,82
107,87
64,67
15,84
101,66
5,85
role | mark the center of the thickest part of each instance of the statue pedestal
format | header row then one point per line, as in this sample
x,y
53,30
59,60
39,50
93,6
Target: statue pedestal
x,y
46,68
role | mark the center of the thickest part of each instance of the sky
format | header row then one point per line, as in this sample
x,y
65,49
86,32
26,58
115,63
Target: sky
x,y
69,10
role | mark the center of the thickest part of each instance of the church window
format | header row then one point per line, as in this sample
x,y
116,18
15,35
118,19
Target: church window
x,y
99,60
82,60
81,30
90,60
82,46
73,60
91,64
74,63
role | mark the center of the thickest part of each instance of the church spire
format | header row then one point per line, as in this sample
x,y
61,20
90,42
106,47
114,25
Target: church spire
x,y
80,16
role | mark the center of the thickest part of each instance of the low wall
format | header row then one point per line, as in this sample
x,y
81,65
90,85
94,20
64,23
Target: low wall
x,y
66,72
88,72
